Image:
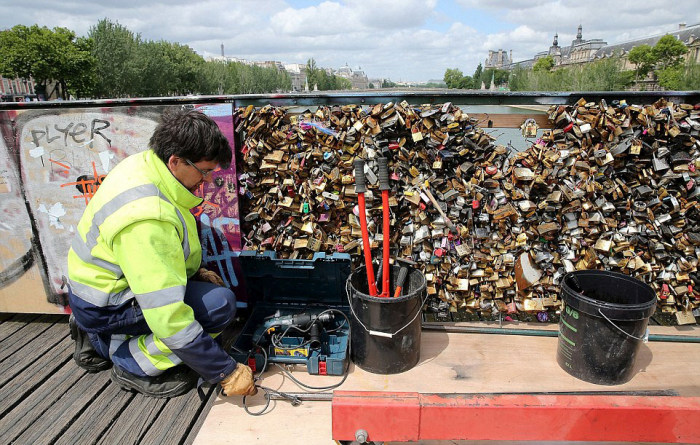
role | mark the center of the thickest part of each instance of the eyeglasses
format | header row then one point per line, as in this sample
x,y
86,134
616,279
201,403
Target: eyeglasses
x,y
204,173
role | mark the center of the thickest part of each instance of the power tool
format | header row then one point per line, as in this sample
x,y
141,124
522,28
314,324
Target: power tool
x,y
304,322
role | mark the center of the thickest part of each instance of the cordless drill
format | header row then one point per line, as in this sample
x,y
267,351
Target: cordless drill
x,y
303,320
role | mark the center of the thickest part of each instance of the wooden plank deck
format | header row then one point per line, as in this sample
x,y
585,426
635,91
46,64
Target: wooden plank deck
x,y
45,398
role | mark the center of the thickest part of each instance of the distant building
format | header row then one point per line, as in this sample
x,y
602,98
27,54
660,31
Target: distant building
x,y
270,64
17,90
357,78
689,35
582,51
499,59
376,82
297,73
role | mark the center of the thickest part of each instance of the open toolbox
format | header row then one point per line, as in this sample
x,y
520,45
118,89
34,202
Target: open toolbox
x,y
294,318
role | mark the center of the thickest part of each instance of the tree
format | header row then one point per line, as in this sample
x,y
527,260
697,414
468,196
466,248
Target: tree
x,y
670,77
320,78
313,74
643,59
477,73
386,83
499,77
545,64
668,52
80,74
453,78
691,76
155,73
602,75
188,68
119,69
518,79
371,86
48,56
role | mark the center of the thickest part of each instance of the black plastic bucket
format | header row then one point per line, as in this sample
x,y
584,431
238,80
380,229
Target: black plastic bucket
x,y
603,323
385,332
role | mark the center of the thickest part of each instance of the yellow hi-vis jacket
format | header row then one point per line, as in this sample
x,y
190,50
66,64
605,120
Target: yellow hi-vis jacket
x,y
137,242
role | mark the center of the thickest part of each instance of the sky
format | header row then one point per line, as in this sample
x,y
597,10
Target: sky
x,y
402,40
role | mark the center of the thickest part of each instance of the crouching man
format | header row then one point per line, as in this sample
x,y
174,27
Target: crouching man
x,y
140,300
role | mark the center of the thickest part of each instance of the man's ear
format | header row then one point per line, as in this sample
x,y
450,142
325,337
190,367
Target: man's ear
x,y
173,161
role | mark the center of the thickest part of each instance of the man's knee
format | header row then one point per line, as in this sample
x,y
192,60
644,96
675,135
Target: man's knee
x,y
220,309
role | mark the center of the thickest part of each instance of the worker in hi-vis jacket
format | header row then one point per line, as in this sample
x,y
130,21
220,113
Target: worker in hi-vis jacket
x,y
139,299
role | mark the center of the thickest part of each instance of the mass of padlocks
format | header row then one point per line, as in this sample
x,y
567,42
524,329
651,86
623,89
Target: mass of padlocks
x,y
609,186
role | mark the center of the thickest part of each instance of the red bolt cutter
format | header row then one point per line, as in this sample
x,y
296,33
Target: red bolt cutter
x,y
361,188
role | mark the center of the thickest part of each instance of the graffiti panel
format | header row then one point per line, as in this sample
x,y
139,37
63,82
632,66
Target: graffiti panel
x,y
52,163
218,217
21,284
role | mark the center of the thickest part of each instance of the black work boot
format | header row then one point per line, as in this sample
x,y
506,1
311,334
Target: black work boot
x,y
172,383
85,354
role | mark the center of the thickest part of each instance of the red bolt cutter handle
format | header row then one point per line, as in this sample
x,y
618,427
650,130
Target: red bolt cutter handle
x,y
384,186
361,188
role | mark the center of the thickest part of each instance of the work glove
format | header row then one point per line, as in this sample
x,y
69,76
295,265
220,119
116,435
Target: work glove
x,y
209,276
239,382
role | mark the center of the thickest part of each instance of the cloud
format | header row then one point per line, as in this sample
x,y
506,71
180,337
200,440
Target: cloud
x,y
328,18
333,18
399,39
392,14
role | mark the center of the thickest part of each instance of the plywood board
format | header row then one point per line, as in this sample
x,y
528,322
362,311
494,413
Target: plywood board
x,y
450,363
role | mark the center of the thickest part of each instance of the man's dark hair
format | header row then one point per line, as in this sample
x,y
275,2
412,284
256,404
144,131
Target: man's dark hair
x,y
191,135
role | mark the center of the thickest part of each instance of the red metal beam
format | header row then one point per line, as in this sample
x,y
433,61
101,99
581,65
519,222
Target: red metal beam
x,y
390,416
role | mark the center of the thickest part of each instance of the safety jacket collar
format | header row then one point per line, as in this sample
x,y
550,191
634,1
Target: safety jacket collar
x,y
169,183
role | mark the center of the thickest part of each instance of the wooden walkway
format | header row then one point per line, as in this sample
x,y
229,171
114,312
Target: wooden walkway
x,y
45,398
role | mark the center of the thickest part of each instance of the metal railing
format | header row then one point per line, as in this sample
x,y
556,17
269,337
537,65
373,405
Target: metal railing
x,y
458,97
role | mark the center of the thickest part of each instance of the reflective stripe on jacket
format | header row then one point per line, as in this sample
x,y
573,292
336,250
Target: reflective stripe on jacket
x,y
137,241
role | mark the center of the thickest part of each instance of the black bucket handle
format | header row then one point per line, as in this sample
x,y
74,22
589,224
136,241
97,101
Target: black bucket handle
x,y
644,339
380,333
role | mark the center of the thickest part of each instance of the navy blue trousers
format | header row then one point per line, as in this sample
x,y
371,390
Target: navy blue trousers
x,y
214,308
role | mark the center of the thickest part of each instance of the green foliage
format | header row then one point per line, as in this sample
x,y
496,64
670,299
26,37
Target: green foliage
x,y
545,64
643,59
435,85
518,79
603,75
155,73
671,78
119,70
386,83
239,78
691,77
48,56
668,52
499,77
665,59
80,74
477,72
129,66
455,79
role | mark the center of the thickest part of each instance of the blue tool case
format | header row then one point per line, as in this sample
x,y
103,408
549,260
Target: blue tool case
x,y
297,293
